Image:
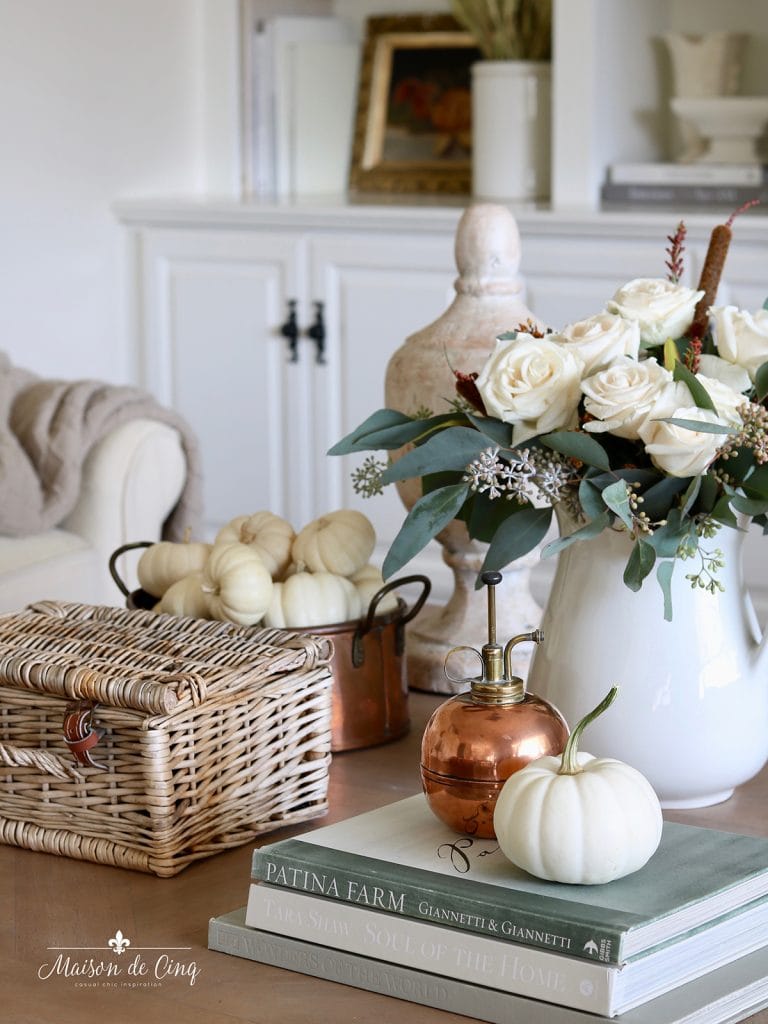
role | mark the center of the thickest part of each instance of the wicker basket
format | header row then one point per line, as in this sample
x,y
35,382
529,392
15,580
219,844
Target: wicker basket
x,y
192,736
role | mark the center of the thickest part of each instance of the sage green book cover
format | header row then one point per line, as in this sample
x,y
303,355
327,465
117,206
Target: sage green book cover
x,y
400,859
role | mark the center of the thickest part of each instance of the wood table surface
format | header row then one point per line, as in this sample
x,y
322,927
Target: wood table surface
x,y
51,901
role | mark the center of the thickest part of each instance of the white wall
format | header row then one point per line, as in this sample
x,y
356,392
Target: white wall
x,y
99,99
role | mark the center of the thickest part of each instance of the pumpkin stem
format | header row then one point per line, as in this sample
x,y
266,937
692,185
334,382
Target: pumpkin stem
x,y
568,764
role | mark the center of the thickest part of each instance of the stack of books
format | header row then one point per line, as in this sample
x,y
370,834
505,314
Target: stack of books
x,y
670,184
393,901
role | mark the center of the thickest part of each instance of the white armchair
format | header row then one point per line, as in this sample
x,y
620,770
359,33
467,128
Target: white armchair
x,y
131,480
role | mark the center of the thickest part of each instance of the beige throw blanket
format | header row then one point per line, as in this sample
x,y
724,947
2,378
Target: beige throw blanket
x,y
48,427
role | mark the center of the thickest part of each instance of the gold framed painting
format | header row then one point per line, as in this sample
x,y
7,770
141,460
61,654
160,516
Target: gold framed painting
x,y
413,130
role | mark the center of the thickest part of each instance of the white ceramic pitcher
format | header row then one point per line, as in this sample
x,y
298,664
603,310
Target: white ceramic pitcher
x,y
692,709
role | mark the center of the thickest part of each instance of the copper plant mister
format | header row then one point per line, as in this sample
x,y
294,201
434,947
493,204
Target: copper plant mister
x,y
477,739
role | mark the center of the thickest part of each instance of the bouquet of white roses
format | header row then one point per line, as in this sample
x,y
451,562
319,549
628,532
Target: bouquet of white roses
x,y
649,417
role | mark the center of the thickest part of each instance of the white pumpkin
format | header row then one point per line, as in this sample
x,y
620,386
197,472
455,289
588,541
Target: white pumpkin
x,y
185,597
369,581
237,584
577,818
312,599
162,564
270,535
339,542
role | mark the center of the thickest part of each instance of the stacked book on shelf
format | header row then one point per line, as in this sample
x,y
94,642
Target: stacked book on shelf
x,y
393,901
300,75
698,184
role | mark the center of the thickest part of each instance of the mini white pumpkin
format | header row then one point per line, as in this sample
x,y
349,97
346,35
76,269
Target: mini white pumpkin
x,y
269,534
577,818
185,597
339,542
237,584
312,599
162,564
369,581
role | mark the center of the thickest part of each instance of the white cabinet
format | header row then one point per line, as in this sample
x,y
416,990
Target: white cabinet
x,y
214,301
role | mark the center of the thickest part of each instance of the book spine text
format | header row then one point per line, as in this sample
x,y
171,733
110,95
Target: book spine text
x,y
442,951
450,905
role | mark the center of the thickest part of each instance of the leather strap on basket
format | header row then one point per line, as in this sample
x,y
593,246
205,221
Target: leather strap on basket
x,y
79,733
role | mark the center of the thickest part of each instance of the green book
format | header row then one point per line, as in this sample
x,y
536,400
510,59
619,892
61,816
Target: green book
x,y
402,860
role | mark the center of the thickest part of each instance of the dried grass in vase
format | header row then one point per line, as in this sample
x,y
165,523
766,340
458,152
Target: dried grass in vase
x,y
508,29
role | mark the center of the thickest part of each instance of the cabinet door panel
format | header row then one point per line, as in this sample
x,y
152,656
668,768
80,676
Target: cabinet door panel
x,y
214,352
378,292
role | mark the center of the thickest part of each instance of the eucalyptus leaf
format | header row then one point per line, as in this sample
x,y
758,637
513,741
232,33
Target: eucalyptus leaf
x,y
657,499
517,535
761,382
356,440
588,532
665,540
590,499
723,513
749,506
640,563
700,425
427,518
708,492
447,449
391,431
485,515
498,432
577,446
699,393
664,576
641,477
691,494
616,498
757,484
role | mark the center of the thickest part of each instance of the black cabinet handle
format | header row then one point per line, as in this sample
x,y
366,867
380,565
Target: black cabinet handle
x,y
317,333
290,330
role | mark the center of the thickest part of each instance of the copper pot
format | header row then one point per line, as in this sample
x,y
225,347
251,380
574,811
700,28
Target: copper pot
x,y
369,699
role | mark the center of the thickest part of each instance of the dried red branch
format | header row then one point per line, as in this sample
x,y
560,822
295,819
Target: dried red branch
x,y
467,389
674,263
742,209
693,355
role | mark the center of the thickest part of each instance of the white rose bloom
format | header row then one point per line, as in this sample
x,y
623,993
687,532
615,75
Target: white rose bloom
x,y
726,400
662,308
621,396
600,339
736,377
741,337
678,451
532,383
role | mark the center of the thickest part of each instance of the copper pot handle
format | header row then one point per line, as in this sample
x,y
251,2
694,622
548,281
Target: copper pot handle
x,y
357,641
113,562
383,591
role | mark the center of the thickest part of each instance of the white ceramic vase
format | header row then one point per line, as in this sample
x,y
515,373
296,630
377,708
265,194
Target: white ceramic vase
x,y
692,708
511,129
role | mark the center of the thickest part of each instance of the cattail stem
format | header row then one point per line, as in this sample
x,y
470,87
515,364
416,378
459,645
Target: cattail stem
x,y
712,270
711,273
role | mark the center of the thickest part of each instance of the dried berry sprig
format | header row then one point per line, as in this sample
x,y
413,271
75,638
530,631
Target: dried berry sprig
x,y
752,435
674,262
